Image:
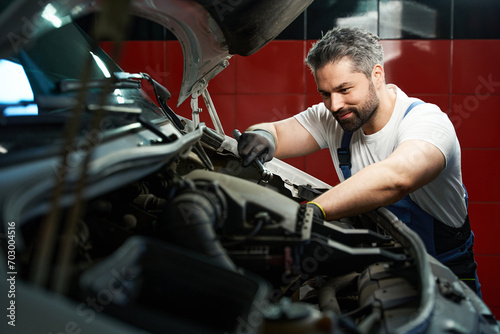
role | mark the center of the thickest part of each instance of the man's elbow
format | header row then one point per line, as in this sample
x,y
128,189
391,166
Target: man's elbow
x,y
400,187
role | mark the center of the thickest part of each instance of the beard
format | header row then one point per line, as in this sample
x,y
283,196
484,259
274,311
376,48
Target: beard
x,y
361,114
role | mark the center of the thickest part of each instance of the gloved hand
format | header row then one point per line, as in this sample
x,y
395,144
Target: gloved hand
x,y
318,211
256,144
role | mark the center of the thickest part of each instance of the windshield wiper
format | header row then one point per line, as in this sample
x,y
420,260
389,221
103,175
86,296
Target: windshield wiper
x,y
51,111
69,85
42,103
4,106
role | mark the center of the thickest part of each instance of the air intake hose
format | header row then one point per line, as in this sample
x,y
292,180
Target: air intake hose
x,y
190,220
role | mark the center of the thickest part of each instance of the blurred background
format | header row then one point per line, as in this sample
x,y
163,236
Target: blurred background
x,y
444,52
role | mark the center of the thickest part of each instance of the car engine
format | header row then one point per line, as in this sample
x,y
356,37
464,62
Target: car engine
x,y
196,248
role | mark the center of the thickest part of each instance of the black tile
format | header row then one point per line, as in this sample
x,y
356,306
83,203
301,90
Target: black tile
x,y
390,19
415,19
322,15
478,19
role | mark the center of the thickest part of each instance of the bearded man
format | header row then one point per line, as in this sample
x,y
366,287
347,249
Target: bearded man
x,y
389,150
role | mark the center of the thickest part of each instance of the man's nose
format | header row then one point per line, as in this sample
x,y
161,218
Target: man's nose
x,y
336,102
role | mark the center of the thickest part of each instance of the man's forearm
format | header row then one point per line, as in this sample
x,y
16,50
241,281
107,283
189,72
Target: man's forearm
x,y
411,166
291,138
369,189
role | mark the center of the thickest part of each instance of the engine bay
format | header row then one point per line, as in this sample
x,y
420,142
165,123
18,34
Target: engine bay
x,y
224,250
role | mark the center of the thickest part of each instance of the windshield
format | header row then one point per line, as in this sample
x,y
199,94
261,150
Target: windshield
x,y
41,84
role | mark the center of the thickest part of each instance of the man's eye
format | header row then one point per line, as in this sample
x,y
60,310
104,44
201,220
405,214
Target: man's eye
x,y
325,95
344,90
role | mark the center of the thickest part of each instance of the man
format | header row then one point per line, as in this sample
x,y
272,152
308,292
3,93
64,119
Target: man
x,y
403,154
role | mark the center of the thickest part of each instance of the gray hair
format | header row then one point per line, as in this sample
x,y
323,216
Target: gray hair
x,y
359,45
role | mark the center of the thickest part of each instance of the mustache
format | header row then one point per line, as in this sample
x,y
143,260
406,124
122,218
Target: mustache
x,y
344,110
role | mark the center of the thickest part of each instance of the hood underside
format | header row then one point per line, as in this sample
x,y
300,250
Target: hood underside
x,y
210,32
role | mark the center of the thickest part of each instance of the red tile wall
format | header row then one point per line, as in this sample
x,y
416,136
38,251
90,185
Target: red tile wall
x,y
460,76
474,97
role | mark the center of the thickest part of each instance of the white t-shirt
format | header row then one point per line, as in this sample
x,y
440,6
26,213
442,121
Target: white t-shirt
x,y
444,197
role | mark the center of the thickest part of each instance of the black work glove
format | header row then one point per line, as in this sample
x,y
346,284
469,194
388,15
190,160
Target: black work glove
x,y
256,144
318,211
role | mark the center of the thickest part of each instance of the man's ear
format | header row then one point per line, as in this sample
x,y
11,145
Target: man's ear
x,y
378,75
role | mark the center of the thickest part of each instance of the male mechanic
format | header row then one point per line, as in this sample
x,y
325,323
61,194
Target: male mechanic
x,y
389,150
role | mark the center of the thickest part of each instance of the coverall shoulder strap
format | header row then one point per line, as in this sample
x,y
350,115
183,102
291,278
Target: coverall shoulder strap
x,y
344,153
413,105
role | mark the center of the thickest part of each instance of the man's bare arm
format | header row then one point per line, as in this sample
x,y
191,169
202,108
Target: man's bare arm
x,y
292,139
412,165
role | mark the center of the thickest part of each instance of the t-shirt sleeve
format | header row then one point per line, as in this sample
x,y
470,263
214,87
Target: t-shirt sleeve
x,y
315,120
428,123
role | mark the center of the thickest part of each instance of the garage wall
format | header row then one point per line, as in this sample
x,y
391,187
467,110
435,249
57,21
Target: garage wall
x,y
444,52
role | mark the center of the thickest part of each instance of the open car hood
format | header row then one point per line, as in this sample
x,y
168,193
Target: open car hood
x,y
210,32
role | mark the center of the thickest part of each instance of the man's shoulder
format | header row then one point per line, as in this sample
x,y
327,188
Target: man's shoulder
x,y
424,110
319,107
315,112
406,105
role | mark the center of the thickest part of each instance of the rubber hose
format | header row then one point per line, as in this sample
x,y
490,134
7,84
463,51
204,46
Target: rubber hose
x,y
189,221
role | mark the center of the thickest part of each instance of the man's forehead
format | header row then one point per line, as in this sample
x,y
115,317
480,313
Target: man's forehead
x,y
344,64
341,71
